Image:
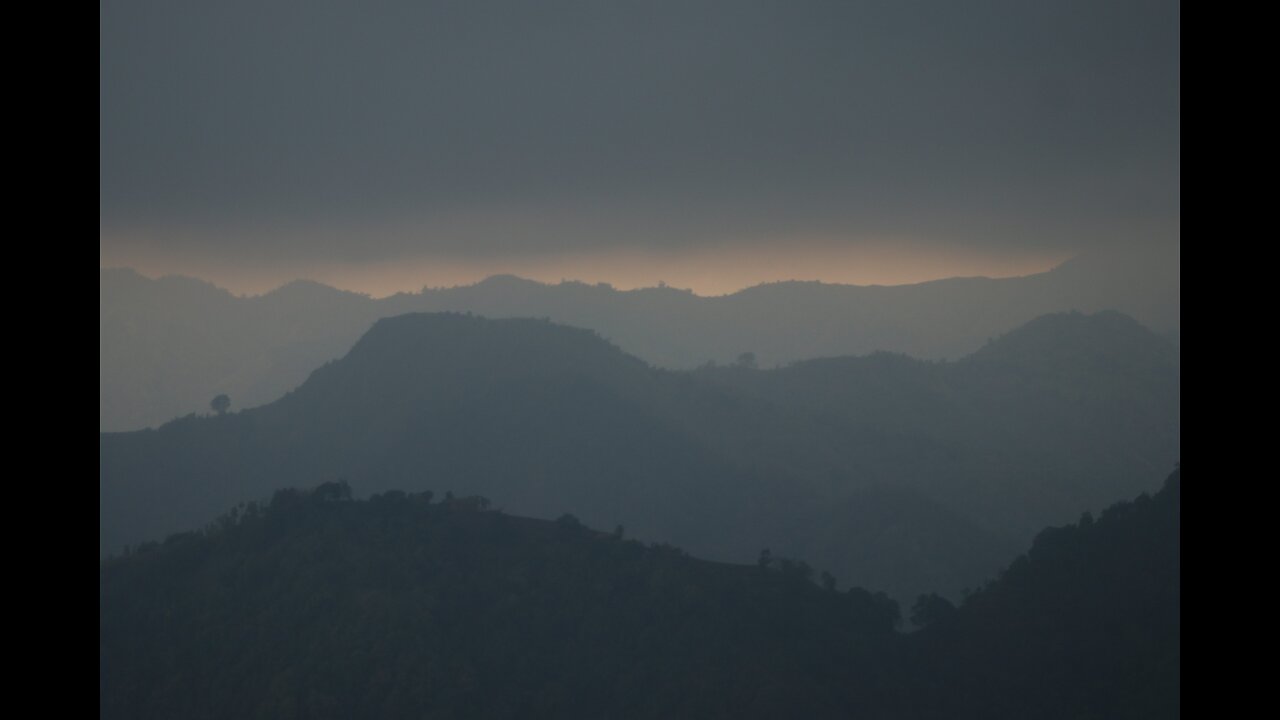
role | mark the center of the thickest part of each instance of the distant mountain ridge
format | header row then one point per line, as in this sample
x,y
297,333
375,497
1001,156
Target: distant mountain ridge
x,y
168,346
897,473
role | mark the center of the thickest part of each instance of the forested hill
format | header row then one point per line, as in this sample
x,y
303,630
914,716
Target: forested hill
x,y
892,472
320,606
1087,624
317,606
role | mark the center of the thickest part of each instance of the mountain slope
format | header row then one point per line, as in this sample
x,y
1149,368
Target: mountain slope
x,y
319,606
891,472
1063,412
398,607
1086,624
170,345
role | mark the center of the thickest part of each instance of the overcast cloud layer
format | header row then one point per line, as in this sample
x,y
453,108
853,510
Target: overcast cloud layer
x,y
322,132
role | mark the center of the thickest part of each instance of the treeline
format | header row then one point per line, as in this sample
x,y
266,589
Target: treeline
x,y
316,605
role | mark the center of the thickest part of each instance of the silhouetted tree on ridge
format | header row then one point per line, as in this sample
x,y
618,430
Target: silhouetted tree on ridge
x,y
220,403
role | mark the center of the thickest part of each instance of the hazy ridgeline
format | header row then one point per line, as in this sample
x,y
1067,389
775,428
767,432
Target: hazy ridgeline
x,y
897,474
315,605
558,498
169,345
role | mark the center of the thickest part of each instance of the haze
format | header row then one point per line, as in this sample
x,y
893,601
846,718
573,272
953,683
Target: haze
x,y
710,145
640,358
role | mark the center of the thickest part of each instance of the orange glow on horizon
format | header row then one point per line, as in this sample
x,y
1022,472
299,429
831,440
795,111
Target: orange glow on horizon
x,y
705,271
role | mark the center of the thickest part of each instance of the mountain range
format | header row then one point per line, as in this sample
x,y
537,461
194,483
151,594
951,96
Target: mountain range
x,y
901,474
315,605
168,346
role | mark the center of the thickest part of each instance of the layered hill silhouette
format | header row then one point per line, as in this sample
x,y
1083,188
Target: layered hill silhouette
x,y
315,605
1086,624
168,346
893,473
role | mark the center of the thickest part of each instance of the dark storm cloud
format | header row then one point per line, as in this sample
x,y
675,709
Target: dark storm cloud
x,y
656,123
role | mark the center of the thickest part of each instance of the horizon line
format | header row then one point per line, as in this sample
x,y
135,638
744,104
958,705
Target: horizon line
x,y
604,285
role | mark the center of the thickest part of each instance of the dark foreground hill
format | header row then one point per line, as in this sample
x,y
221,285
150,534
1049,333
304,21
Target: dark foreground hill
x,y
1086,624
901,474
397,607
168,346
318,606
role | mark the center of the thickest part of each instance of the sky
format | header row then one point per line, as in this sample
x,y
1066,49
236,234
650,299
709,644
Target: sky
x,y
384,146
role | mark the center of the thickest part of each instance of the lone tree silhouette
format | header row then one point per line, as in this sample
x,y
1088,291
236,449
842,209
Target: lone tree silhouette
x,y
220,404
